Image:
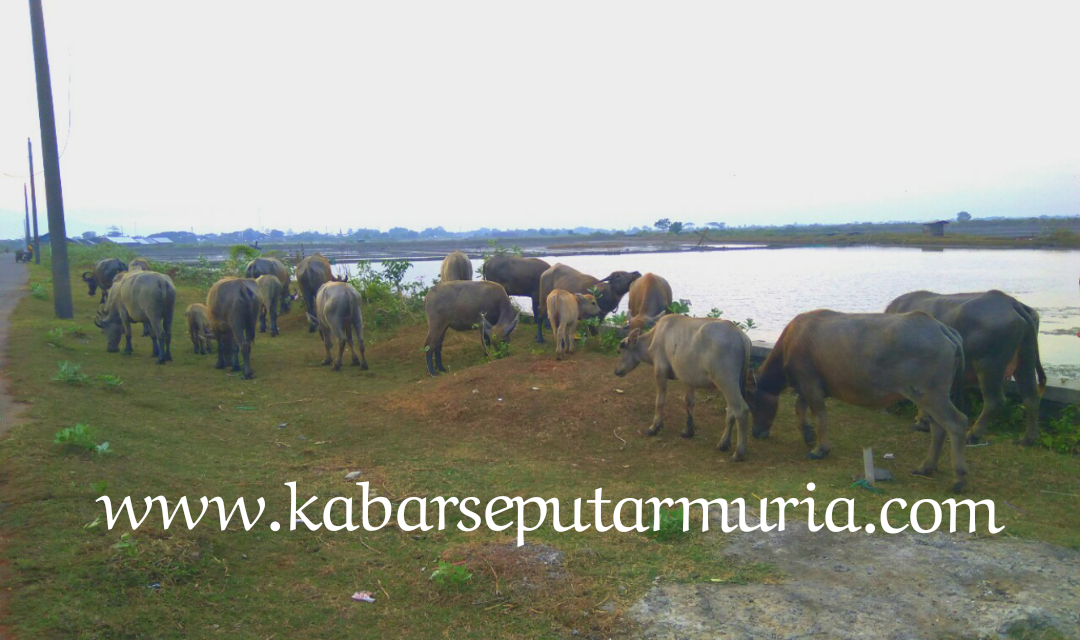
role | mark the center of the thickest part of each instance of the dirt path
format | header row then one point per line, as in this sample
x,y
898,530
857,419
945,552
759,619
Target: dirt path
x,y
13,278
871,587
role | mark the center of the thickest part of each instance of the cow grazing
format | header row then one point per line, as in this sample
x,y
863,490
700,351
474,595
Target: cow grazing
x,y
519,276
608,292
142,296
269,290
198,322
650,297
103,275
456,266
564,309
1001,339
266,266
234,307
704,353
337,308
463,305
870,360
313,272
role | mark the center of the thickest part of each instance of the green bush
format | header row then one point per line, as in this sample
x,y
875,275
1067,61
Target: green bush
x,y
449,574
69,373
80,436
1062,434
671,525
202,273
38,291
388,300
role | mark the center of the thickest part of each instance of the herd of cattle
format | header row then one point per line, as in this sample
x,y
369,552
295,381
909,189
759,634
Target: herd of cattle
x,y
924,347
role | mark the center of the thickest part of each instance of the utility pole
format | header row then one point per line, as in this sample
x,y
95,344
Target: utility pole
x,y
50,158
26,223
33,200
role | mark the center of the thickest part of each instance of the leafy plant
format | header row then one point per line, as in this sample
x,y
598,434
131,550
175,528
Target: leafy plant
x,y
1062,434
670,525
111,381
585,326
99,487
451,574
128,545
69,373
714,313
37,290
55,335
618,319
745,326
80,436
389,300
498,350
679,306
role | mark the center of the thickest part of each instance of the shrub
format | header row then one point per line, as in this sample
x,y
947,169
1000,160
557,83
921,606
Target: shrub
x,y
80,436
111,381
670,526
201,273
38,291
69,373
388,301
451,574
679,307
1062,434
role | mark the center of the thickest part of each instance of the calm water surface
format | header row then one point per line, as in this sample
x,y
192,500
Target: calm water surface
x,y
773,285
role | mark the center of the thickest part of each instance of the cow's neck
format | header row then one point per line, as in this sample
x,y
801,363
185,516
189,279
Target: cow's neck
x,y
645,347
770,375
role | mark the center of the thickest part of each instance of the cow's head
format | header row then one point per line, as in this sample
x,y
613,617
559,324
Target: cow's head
x,y
631,350
763,406
91,281
619,281
111,327
587,306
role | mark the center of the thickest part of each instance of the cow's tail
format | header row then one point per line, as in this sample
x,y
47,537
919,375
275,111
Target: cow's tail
x,y
1029,346
959,367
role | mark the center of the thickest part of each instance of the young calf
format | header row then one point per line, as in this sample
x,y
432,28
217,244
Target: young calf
x,y
565,309
198,321
269,291
704,353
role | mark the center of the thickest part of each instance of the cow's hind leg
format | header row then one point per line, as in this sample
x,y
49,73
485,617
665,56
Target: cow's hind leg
x,y
223,349
273,320
359,330
738,412
945,418
661,397
339,334
1029,392
262,320
992,385
690,399
324,333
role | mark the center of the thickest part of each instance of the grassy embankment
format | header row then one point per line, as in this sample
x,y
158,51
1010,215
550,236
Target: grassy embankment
x,y
525,425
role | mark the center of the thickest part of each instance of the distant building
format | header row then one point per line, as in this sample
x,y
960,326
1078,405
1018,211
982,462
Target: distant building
x,y
122,240
935,229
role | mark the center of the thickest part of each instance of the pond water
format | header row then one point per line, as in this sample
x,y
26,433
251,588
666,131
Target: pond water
x,y
773,285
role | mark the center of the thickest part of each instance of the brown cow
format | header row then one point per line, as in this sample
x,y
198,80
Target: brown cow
x,y
704,353
145,297
269,290
869,360
456,266
463,305
267,266
198,321
1001,339
234,307
337,308
313,272
608,291
519,276
565,309
650,297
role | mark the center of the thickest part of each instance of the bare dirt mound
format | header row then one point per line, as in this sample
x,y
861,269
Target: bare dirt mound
x,y
859,586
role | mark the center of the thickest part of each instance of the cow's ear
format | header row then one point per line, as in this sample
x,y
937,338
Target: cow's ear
x,y
581,298
632,339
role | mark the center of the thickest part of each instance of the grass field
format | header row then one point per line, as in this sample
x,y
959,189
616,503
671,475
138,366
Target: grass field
x,y
520,426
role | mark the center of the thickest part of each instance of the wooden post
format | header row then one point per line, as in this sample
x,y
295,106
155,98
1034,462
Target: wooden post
x,y
868,465
50,158
33,201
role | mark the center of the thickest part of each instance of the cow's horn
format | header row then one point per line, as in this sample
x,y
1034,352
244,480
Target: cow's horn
x,y
87,275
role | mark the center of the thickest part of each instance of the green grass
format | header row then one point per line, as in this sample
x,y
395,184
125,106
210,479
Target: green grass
x,y
187,429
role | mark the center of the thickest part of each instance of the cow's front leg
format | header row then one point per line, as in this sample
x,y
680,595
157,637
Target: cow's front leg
x,y
689,431
127,338
661,397
804,424
823,447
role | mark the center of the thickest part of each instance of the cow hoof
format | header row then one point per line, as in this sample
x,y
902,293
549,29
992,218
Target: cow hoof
x,y
127,352
723,446
920,426
686,434
652,431
922,472
959,486
363,365
973,439
444,369
219,366
760,435
249,376
161,361
817,455
738,457
336,367
326,362
112,349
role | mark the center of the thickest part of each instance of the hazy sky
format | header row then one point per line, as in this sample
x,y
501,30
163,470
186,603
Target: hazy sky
x,y
223,115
